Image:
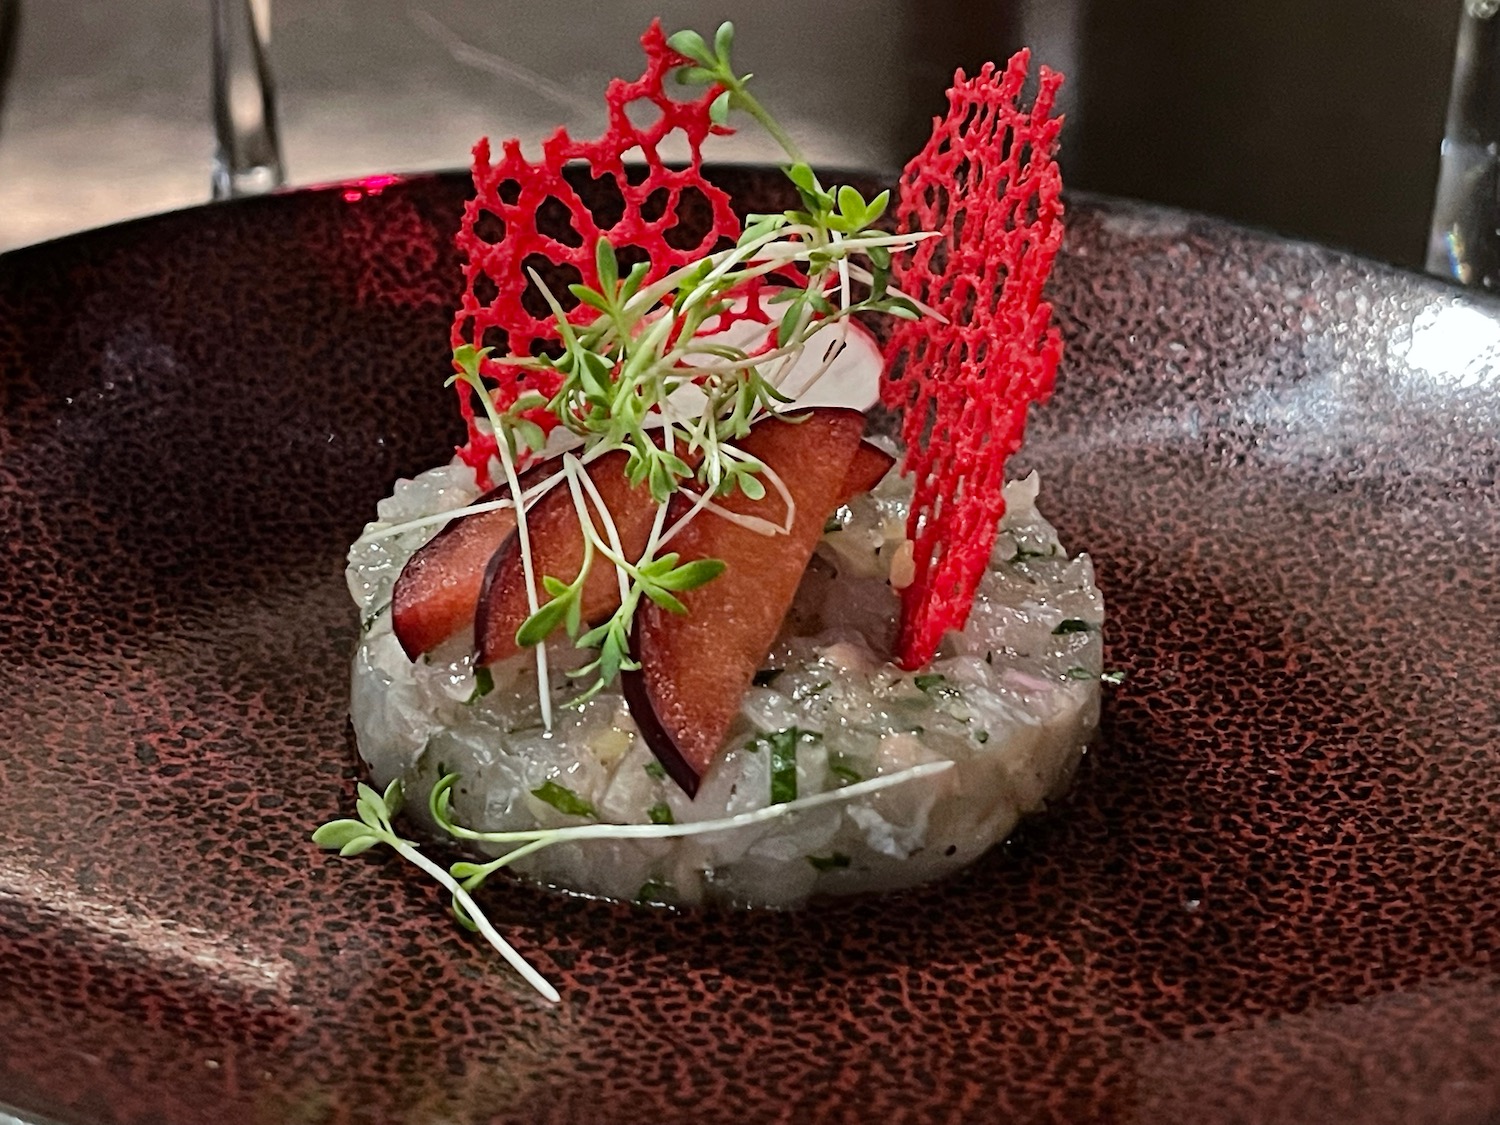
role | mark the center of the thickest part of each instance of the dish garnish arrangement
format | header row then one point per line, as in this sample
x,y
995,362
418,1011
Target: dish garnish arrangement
x,y
684,621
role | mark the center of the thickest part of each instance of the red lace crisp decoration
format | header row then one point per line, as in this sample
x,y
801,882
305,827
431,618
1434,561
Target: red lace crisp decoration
x,y
500,235
988,181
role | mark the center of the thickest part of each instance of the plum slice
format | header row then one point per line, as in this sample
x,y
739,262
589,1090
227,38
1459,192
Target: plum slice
x,y
557,550
696,667
867,468
438,589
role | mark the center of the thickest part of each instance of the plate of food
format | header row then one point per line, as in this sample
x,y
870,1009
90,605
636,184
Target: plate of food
x,y
801,746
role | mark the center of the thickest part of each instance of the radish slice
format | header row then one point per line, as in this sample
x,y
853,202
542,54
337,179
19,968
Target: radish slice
x,y
852,379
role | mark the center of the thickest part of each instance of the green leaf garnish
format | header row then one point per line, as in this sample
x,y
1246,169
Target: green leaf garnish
x,y
563,799
689,576
484,683
655,770
783,746
606,265
340,835
661,813
783,770
535,629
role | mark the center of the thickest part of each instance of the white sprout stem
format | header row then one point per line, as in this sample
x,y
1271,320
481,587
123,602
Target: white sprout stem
x,y
515,854
732,258
577,476
749,523
543,682
731,366
613,553
843,273
471,908
685,343
839,318
835,348
591,533
528,498
550,836
788,361
838,344
702,500
655,541
903,241
696,427
647,298
789,252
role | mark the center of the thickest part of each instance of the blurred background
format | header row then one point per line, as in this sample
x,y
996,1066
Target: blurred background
x,y
1315,118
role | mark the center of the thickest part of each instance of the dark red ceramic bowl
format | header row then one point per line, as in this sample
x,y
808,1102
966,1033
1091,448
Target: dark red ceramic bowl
x,y
1272,896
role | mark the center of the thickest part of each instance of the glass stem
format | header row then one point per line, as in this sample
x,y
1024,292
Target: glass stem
x,y
247,149
1464,243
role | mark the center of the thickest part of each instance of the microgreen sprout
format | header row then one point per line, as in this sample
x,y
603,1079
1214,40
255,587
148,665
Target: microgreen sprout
x,y
647,375
376,812
1074,625
467,359
712,67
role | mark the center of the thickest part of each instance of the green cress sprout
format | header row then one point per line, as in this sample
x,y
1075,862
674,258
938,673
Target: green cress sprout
x,y
376,811
640,377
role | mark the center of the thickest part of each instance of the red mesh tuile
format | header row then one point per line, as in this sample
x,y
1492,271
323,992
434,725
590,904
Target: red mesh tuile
x,y
500,262
988,181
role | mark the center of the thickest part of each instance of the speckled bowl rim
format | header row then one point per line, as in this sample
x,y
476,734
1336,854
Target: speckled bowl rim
x,y
1443,996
